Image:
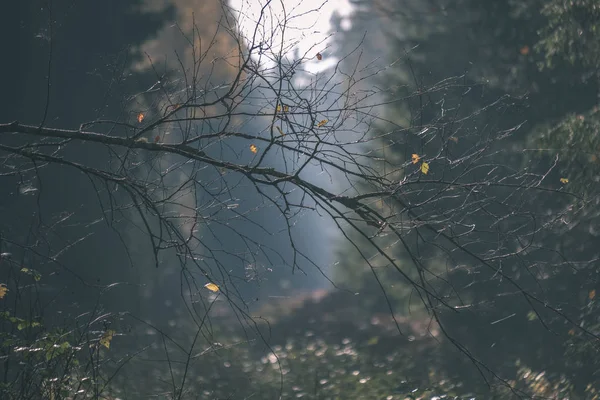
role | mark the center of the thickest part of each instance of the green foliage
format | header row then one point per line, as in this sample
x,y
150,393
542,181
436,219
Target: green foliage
x,y
572,33
316,368
576,143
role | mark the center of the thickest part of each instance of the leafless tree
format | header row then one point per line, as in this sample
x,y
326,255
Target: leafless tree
x,y
189,148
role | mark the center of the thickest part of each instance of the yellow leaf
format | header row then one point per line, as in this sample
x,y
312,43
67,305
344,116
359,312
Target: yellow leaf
x,y
564,180
106,338
253,148
373,341
322,123
3,290
140,117
424,168
592,294
212,287
280,131
415,158
286,109
278,108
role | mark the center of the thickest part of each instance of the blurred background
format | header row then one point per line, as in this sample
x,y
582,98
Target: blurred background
x,y
325,330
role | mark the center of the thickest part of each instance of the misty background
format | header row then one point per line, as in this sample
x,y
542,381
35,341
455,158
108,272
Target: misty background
x,y
328,323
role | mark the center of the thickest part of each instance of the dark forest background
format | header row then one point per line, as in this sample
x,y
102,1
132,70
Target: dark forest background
x,y
526,72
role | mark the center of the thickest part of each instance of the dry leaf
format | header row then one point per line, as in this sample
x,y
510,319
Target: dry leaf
x,y
453,138
140,117
322,123
592,294
424,168
253,148
106,338
157,139
3,290
280,131
286,109
524,50
415,158
173,107
564,180
572,332
319,56
212,287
